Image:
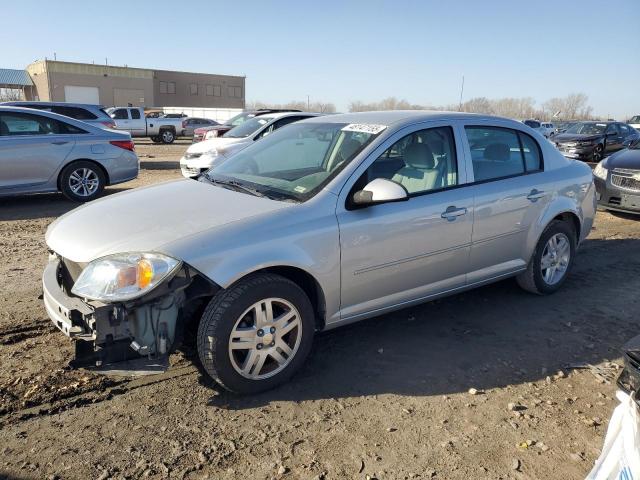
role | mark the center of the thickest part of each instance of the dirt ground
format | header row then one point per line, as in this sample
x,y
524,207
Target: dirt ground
x,y
386,398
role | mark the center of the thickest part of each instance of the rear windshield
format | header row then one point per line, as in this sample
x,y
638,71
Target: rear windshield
x,y
532,123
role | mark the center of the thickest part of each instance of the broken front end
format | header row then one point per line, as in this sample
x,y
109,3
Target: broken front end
x,y
125,312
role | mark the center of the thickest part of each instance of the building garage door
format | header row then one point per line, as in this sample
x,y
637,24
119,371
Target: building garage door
x,y
123,97
76,94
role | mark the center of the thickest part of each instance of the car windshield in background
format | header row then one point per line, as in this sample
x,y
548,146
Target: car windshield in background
x,y
532,123
297,161
248,127
591,128
239,119
635,119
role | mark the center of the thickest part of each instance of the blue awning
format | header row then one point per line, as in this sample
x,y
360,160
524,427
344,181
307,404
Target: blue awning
x,y
10,78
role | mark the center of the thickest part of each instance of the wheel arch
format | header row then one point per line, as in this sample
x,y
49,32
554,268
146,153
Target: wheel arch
x,y
562,209
97,164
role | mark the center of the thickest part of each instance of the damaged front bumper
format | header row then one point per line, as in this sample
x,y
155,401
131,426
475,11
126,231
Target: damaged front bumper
x,y
130,337
629,380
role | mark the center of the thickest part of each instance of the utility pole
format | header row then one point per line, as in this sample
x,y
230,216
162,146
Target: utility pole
x,y
461,91
308,103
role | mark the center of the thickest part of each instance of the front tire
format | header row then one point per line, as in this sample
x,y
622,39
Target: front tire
x,y
82,181
598,153
551,261
254,335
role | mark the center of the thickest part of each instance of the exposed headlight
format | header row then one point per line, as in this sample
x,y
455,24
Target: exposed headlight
x,y
124,276
600,171
211,134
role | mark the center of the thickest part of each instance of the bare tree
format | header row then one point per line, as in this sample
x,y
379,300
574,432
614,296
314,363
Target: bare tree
x,y
10,94
321,107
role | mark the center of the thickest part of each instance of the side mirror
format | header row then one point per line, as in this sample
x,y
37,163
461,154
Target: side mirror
x,y
380,190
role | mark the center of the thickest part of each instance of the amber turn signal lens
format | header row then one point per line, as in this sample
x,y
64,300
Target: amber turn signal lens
x,y
145,273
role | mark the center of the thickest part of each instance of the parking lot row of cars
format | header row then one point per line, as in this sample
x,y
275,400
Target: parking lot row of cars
x,y
86,149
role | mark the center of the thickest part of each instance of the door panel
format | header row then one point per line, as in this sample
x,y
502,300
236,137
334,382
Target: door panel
x,y
504,211
398,252
31,160
395,253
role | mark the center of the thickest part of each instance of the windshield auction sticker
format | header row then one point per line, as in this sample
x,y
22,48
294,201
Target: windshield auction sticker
x,y
364,128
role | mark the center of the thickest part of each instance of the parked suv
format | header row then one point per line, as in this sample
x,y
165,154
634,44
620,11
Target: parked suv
x,y
322,223
592,141
93,114
205,133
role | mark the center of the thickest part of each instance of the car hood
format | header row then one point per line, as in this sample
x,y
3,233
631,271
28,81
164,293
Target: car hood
x,y
628,158
146,219
573,137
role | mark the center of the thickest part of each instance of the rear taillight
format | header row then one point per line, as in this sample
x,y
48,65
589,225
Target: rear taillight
x,y
126,144
109,124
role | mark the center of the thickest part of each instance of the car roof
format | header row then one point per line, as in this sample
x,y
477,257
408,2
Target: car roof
x,y
275,115
60,104
404,117
44,113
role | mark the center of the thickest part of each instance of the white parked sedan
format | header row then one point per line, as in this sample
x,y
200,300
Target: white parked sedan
x,y
329,221
202,156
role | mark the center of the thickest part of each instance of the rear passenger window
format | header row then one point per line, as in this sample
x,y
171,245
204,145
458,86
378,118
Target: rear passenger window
x,y
421,162
501,152
73,112
19,124
135,114
531,153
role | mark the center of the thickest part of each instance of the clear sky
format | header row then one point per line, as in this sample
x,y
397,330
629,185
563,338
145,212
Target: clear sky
x,y
340,51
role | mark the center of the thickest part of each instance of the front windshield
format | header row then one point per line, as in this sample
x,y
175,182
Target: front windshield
x,y
635,119
297,161
248,127
239,119
588,128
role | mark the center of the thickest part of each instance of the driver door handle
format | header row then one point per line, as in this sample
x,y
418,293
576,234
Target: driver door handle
x,y
535,195
452,212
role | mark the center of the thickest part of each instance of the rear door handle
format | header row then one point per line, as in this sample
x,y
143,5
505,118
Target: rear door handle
x,y
60,142
535,195
452,212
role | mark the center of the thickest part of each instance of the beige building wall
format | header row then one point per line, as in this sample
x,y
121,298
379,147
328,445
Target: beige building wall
x,y
198,90
120,86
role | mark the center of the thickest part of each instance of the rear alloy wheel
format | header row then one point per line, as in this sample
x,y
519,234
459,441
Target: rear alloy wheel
x,y
82,181
597,153
551,261
256,334
167,136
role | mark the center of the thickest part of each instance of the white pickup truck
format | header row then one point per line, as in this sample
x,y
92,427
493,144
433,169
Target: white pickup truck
x,y
132,120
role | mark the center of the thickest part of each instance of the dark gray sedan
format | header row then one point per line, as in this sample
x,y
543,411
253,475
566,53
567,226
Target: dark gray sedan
x,y
617,180
46,152
191,123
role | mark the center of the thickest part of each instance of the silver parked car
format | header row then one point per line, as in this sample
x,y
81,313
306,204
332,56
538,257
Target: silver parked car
x,y
191,123
328,221
46,152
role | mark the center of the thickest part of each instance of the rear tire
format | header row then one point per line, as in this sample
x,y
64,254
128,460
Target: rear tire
x,y
254,335
549,266
167,136
156,139
82,181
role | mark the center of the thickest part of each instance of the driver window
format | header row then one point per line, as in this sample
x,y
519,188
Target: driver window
x,y
422,161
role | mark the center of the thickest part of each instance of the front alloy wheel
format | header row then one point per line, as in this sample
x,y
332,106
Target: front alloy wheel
x,y
256,334
597,153
265,338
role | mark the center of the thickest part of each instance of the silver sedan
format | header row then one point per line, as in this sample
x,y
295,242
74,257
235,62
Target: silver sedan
x,y
46,152
331,220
